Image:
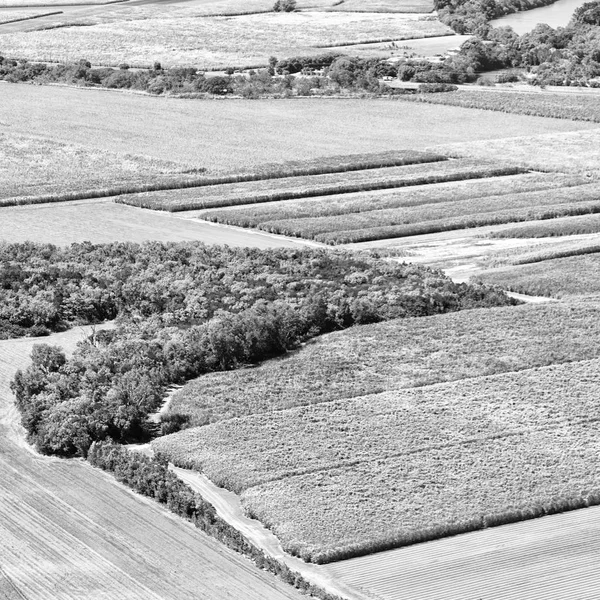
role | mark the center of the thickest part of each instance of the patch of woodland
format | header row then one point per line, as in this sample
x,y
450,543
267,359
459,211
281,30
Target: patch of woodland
x,y
187,309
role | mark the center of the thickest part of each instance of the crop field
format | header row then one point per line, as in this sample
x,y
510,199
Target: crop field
x,y
33,166
408,465
574,152
560,277
578,107
384,6
434,217
21,15
192,133
399,354
343,204
554,228
316,185
215,42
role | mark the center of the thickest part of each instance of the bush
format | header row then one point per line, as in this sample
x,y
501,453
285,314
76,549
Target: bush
x,y
284,6
434,88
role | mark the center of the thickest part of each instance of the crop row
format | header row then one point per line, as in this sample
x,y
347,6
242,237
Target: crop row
x,y
560,278
255,215
559,227
318,185
445,216
578,107
403,353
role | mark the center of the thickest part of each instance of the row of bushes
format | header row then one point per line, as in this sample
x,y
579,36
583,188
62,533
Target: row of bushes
x,y
152,477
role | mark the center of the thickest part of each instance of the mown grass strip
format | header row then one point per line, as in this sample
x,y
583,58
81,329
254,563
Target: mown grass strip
x,y
326,185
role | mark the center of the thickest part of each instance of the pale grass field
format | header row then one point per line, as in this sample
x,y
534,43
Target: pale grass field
x,y
385,6
213,42
277,130
48,3
33,166
576,152
18,15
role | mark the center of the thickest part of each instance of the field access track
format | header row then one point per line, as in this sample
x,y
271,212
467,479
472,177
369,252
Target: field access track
x,y
70,532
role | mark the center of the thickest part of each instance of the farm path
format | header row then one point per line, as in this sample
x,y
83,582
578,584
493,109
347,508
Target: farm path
x,y
229,508
71,532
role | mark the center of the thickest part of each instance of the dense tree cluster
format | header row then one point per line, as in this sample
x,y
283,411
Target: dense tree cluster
x,y
186,309
151,477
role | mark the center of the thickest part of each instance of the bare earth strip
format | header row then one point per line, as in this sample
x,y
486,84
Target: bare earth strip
x,y
71,532
553,558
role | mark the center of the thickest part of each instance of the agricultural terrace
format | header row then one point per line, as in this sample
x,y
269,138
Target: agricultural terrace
x,y
559,277
572,106
398,354
349,477
192,132
216,42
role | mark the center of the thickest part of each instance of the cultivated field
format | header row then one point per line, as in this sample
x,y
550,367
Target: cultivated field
x,y
192,132
384,6
330,184
408,465
560,227
578,107
215,42
559,277
34,166
399,354
11,16
70,531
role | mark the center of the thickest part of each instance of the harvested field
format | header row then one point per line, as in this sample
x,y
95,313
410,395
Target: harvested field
x,y
398,354
361,202
190,132
444,216
408,465
31,167
214,42
574,152
316,185
100,221
559,278
69,531
575,107
554,228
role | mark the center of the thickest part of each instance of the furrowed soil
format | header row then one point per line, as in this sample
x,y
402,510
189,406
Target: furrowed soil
x,y
69,531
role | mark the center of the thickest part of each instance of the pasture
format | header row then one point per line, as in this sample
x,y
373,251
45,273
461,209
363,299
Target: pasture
x,y
353,476
215,42
395,355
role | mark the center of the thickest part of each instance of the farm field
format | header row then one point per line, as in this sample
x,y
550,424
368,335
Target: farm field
x,y
215,42
316,185
191,133
399,354
384,6
529,443
68,529
34,166
572,152
436,216
101,221
10,16
575,107
555,228
571,276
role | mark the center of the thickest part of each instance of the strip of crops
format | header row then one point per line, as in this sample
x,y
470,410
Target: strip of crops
x,y
254,216
319,185
355,467
445,216
560,278
398,354
555,228
575,107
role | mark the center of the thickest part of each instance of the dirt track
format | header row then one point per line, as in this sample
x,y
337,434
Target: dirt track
x,y
70,532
